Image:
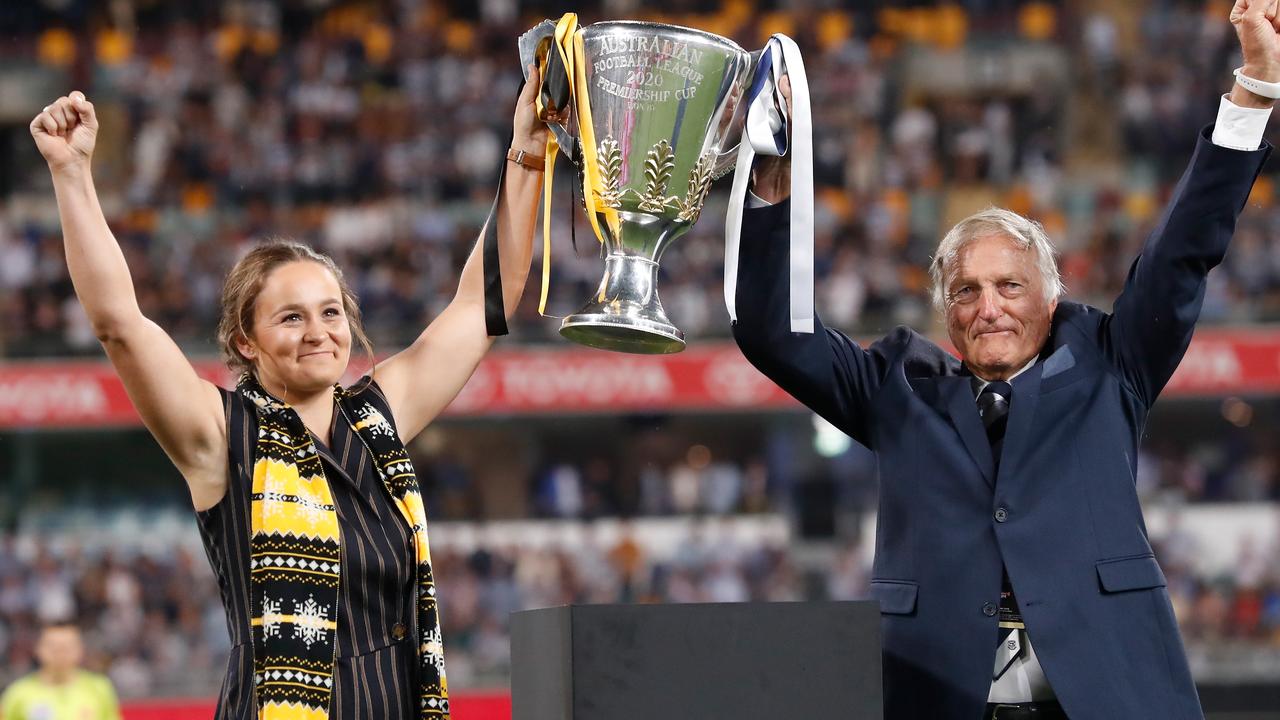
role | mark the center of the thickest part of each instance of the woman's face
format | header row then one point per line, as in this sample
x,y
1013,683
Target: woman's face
x,y
301,338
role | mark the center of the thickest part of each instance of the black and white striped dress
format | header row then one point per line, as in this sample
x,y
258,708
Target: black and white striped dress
x,y
376,657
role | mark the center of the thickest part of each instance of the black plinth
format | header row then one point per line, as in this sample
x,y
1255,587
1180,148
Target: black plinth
x,y
744,661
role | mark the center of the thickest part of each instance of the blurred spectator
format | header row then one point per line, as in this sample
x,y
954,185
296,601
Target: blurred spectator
x,y
60,690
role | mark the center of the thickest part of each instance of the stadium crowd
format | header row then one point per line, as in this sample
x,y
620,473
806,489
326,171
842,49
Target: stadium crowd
x,y
371,131
154,623
1212,470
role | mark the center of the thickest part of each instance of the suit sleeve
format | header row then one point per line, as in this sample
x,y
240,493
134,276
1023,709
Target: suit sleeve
x,y
825,370
1155,315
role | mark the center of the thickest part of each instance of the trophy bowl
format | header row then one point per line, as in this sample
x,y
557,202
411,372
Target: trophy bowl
x,y
664,106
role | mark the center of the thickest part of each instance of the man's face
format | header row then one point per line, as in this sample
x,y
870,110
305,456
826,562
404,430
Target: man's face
x,y
59,649
997,315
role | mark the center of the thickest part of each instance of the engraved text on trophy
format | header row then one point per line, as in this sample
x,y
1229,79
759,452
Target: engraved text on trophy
x,y
653,69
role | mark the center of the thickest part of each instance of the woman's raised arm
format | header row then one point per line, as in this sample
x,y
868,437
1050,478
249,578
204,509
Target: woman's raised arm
x,y
182,410
423,379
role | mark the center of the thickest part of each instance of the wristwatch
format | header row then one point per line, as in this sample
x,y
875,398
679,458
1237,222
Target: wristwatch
x,y
526,159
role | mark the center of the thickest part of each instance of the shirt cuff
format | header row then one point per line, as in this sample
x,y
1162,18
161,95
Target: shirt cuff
x,y
1239,128
755,201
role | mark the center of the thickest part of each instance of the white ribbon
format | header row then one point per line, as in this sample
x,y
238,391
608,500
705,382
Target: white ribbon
x,y
765,133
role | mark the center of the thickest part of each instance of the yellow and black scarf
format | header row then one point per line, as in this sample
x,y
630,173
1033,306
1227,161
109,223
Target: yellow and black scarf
x,y
295,559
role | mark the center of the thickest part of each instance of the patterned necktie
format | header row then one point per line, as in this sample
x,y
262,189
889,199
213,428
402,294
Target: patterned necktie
x,y
993,407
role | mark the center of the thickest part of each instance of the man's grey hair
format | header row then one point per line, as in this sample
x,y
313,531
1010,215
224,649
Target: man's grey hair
x,y
1024,232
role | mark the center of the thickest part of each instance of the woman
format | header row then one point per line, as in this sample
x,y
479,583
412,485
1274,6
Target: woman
x,y
306,499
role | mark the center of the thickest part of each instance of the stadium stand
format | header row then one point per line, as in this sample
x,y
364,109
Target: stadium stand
x,y
296,120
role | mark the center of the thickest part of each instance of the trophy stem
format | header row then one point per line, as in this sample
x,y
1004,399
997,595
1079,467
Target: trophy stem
x,y
625,315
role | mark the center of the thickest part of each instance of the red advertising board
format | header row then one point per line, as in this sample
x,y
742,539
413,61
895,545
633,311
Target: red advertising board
x,y
465,706
564,379
1225,362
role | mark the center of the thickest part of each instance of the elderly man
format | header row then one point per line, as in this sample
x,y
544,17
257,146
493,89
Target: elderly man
x,y
1012,565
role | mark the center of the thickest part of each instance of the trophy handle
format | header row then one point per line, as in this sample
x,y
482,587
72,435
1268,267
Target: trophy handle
x,y
535,45
726,160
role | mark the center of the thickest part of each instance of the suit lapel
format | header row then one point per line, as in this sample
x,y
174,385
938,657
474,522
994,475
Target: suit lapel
x,y
1022,410
952,397
339,436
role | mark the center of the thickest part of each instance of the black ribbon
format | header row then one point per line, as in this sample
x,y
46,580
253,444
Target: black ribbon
x,y
495,313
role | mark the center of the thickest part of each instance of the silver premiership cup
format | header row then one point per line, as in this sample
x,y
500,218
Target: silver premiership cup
x,y
664,106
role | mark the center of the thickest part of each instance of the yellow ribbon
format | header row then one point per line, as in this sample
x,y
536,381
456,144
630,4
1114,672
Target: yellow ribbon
x,y
569,43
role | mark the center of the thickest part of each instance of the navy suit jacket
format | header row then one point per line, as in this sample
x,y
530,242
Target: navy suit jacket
x,y
1062,514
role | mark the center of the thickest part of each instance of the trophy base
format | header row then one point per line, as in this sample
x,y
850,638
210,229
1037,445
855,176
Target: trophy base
x,y
607,331
625,315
